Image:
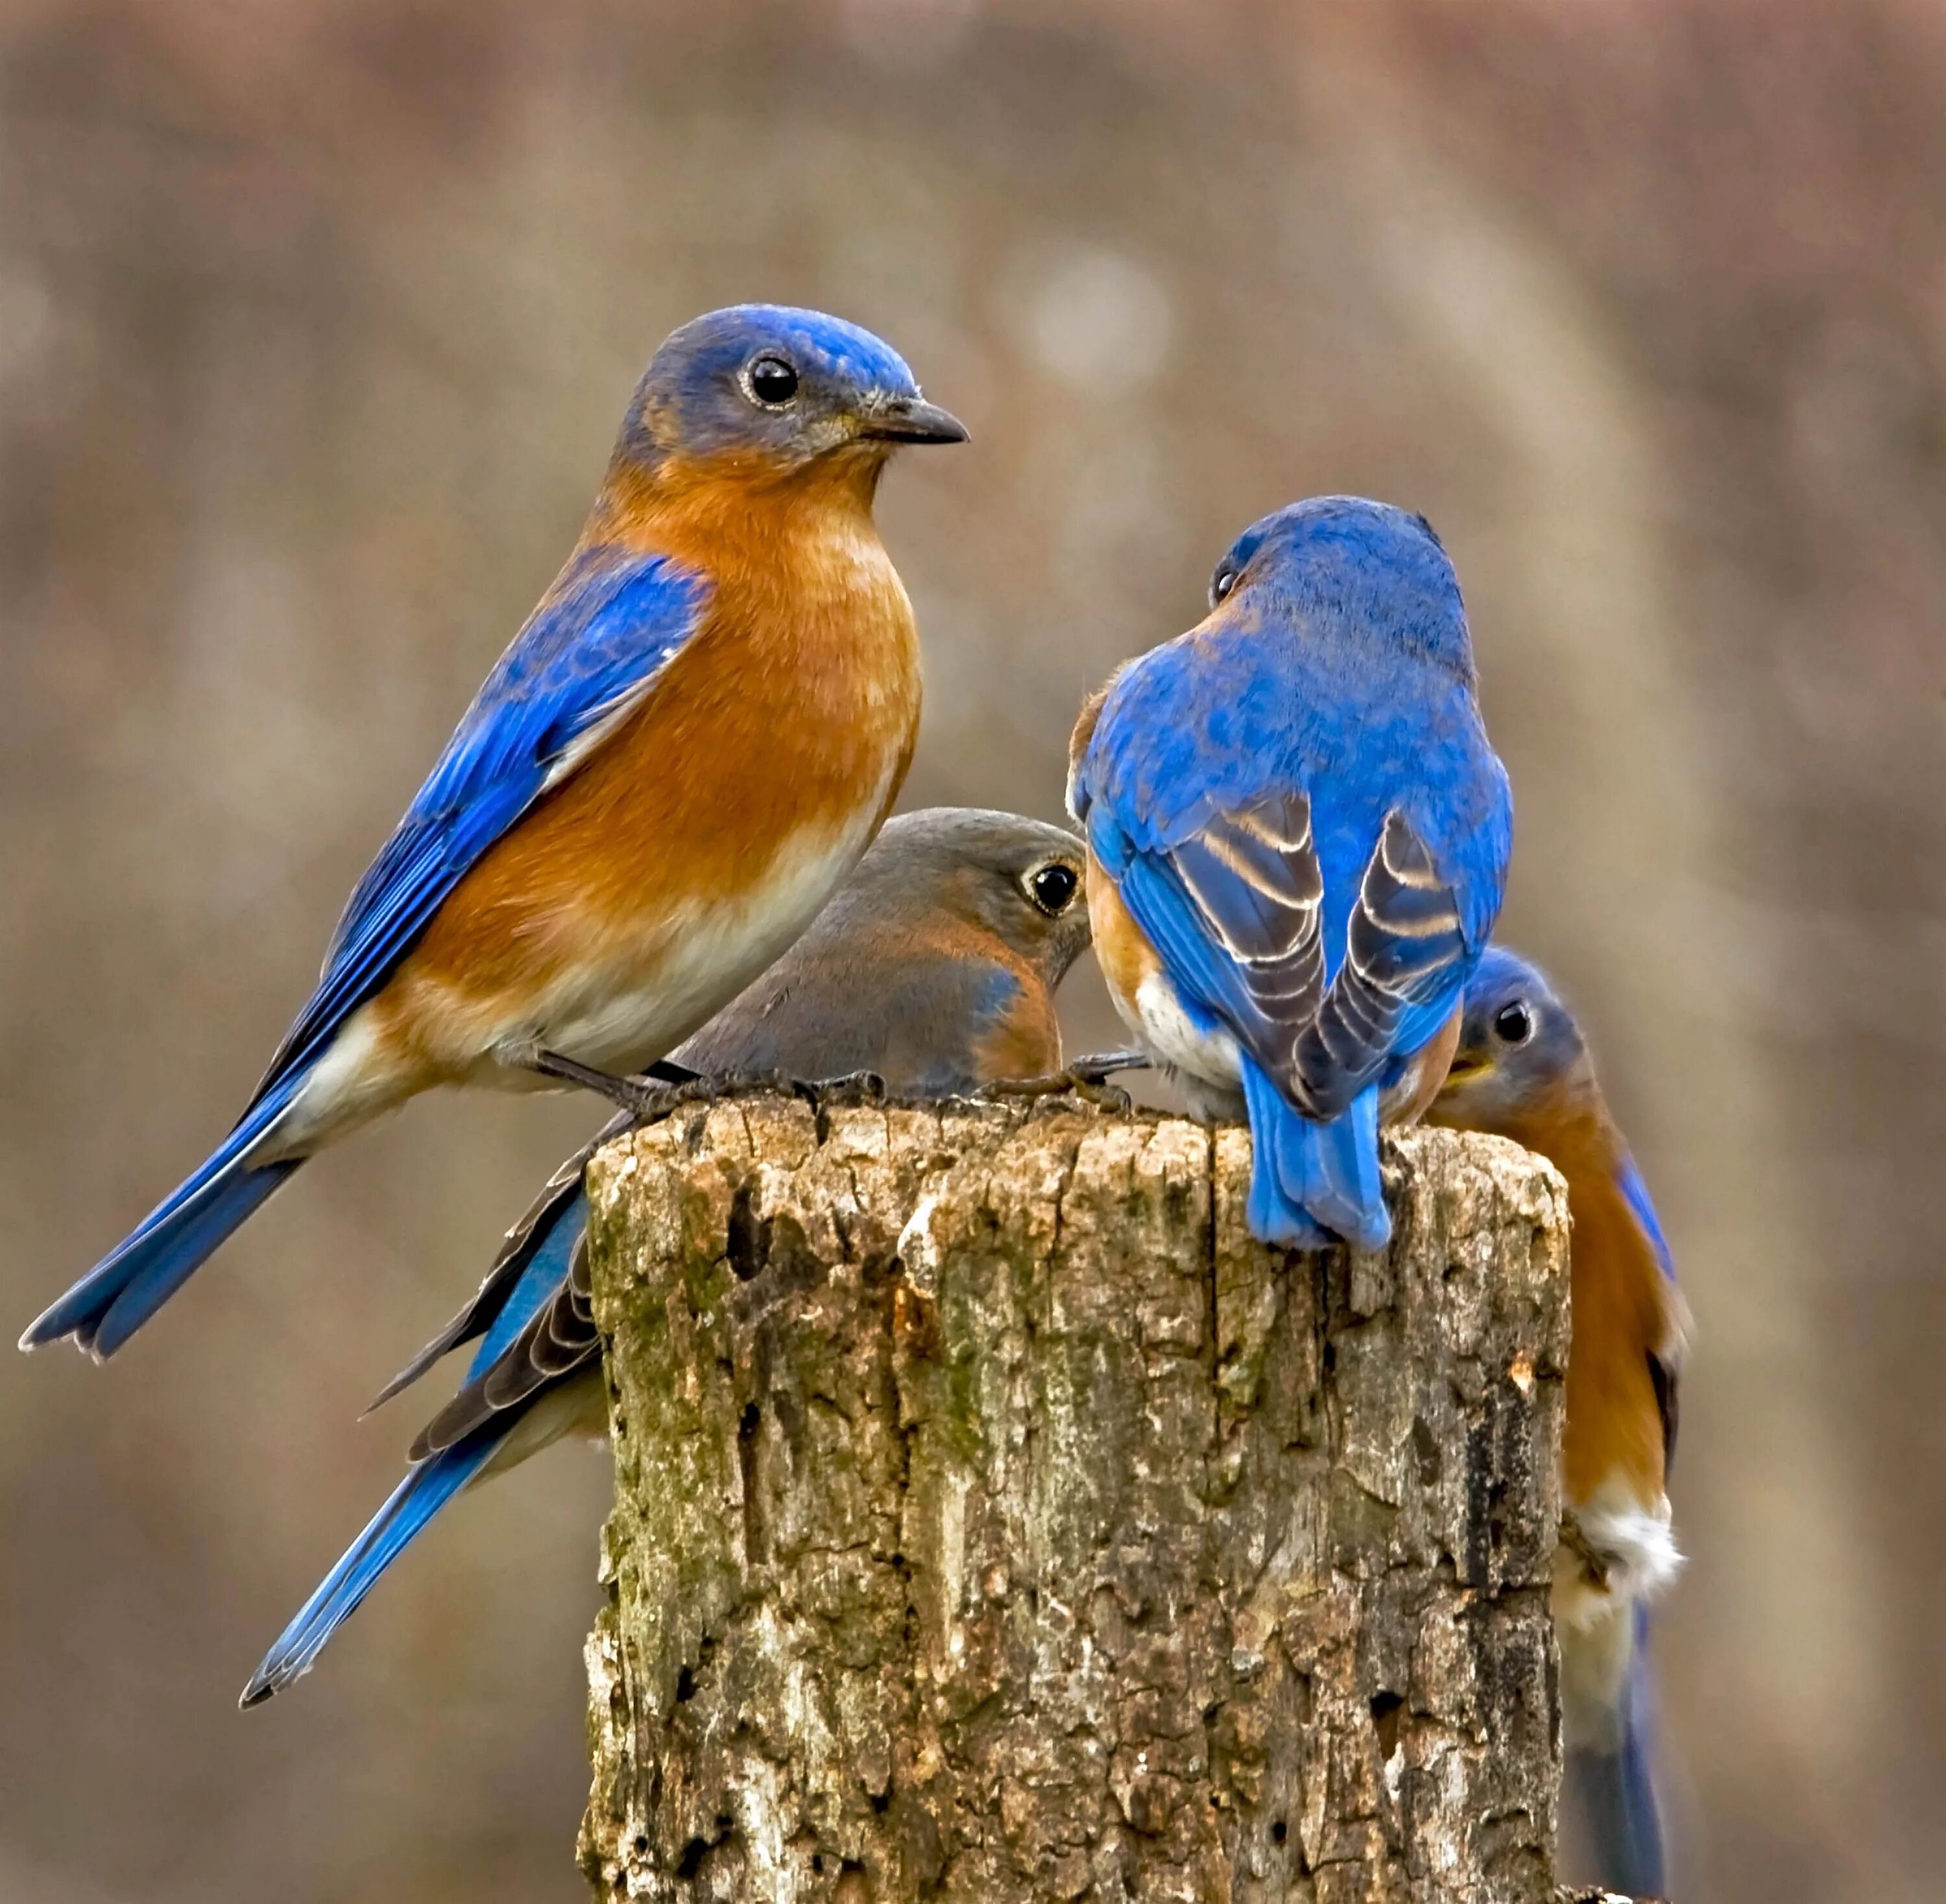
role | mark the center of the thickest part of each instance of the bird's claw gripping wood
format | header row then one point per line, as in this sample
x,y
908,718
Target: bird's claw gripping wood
x,y
667,1086
854,1088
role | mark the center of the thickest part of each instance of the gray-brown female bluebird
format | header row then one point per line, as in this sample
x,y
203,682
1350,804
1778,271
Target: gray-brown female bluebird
x,y
935,967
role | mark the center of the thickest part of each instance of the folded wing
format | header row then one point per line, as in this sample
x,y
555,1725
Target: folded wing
x,y
588,658
1405,957
1236,912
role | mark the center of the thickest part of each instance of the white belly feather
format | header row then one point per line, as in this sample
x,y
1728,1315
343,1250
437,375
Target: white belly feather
x,y
1208,1065
621,1022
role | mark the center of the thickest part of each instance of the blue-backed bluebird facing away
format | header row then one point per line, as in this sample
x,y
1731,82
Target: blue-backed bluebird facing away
x,y
934,967
1297,839
1522,1070
681,755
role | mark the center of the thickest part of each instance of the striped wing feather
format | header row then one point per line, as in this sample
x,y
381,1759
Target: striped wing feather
x,y
1405,945
1253,876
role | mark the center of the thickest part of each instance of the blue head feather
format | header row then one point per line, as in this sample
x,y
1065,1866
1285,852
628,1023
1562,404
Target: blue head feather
x,y
698,397
1521,1053
1344,558
1519,1048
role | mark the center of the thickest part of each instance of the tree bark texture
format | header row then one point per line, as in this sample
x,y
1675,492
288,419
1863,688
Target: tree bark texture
x,y
996,1521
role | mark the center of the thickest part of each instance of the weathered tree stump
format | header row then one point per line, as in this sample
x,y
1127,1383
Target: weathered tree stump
x,y
995,1521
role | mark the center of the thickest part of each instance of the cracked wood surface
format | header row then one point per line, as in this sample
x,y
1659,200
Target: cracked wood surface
x,y
995,1521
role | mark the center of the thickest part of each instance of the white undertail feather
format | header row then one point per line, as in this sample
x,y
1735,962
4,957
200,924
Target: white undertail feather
x,y
351,1082
1177,1042
1637,1547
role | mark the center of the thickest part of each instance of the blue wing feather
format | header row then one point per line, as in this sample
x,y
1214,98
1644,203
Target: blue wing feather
x,y
1203,975
541,1282
1635,1192
594,648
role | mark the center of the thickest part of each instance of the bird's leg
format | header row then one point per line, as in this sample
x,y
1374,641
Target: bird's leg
x,y
648,1095
1574,1538
1086,1078
665,1084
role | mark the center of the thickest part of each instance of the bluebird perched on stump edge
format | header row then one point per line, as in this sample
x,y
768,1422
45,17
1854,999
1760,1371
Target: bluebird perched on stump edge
x,y
684,753
1297,838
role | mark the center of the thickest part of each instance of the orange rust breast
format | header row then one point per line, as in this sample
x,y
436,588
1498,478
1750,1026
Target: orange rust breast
x,y
1621,1319
1622,1310
787,719
944,954
1126,955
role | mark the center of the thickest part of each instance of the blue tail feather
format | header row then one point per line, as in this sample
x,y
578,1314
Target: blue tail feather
x,y
109,1304
1614,1791
426,1489
1311,1182
405,1515
1616,1797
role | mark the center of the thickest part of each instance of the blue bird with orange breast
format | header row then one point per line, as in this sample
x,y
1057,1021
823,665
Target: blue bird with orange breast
x,y
1297,838
934,967
1522,1070
686,748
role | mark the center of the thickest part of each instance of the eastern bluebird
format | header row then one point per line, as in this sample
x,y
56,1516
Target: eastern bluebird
x,y
684,751
1522,1070
934,967
1297,838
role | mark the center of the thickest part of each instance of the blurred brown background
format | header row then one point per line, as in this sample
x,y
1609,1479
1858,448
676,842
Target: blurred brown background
x,y
315,319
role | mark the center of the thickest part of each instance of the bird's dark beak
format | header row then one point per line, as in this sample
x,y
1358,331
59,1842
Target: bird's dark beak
x,y
911,419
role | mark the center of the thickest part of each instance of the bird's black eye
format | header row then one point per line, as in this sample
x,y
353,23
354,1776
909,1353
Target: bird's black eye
x,y
1052,888
1513,1024
1220,583
773,381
